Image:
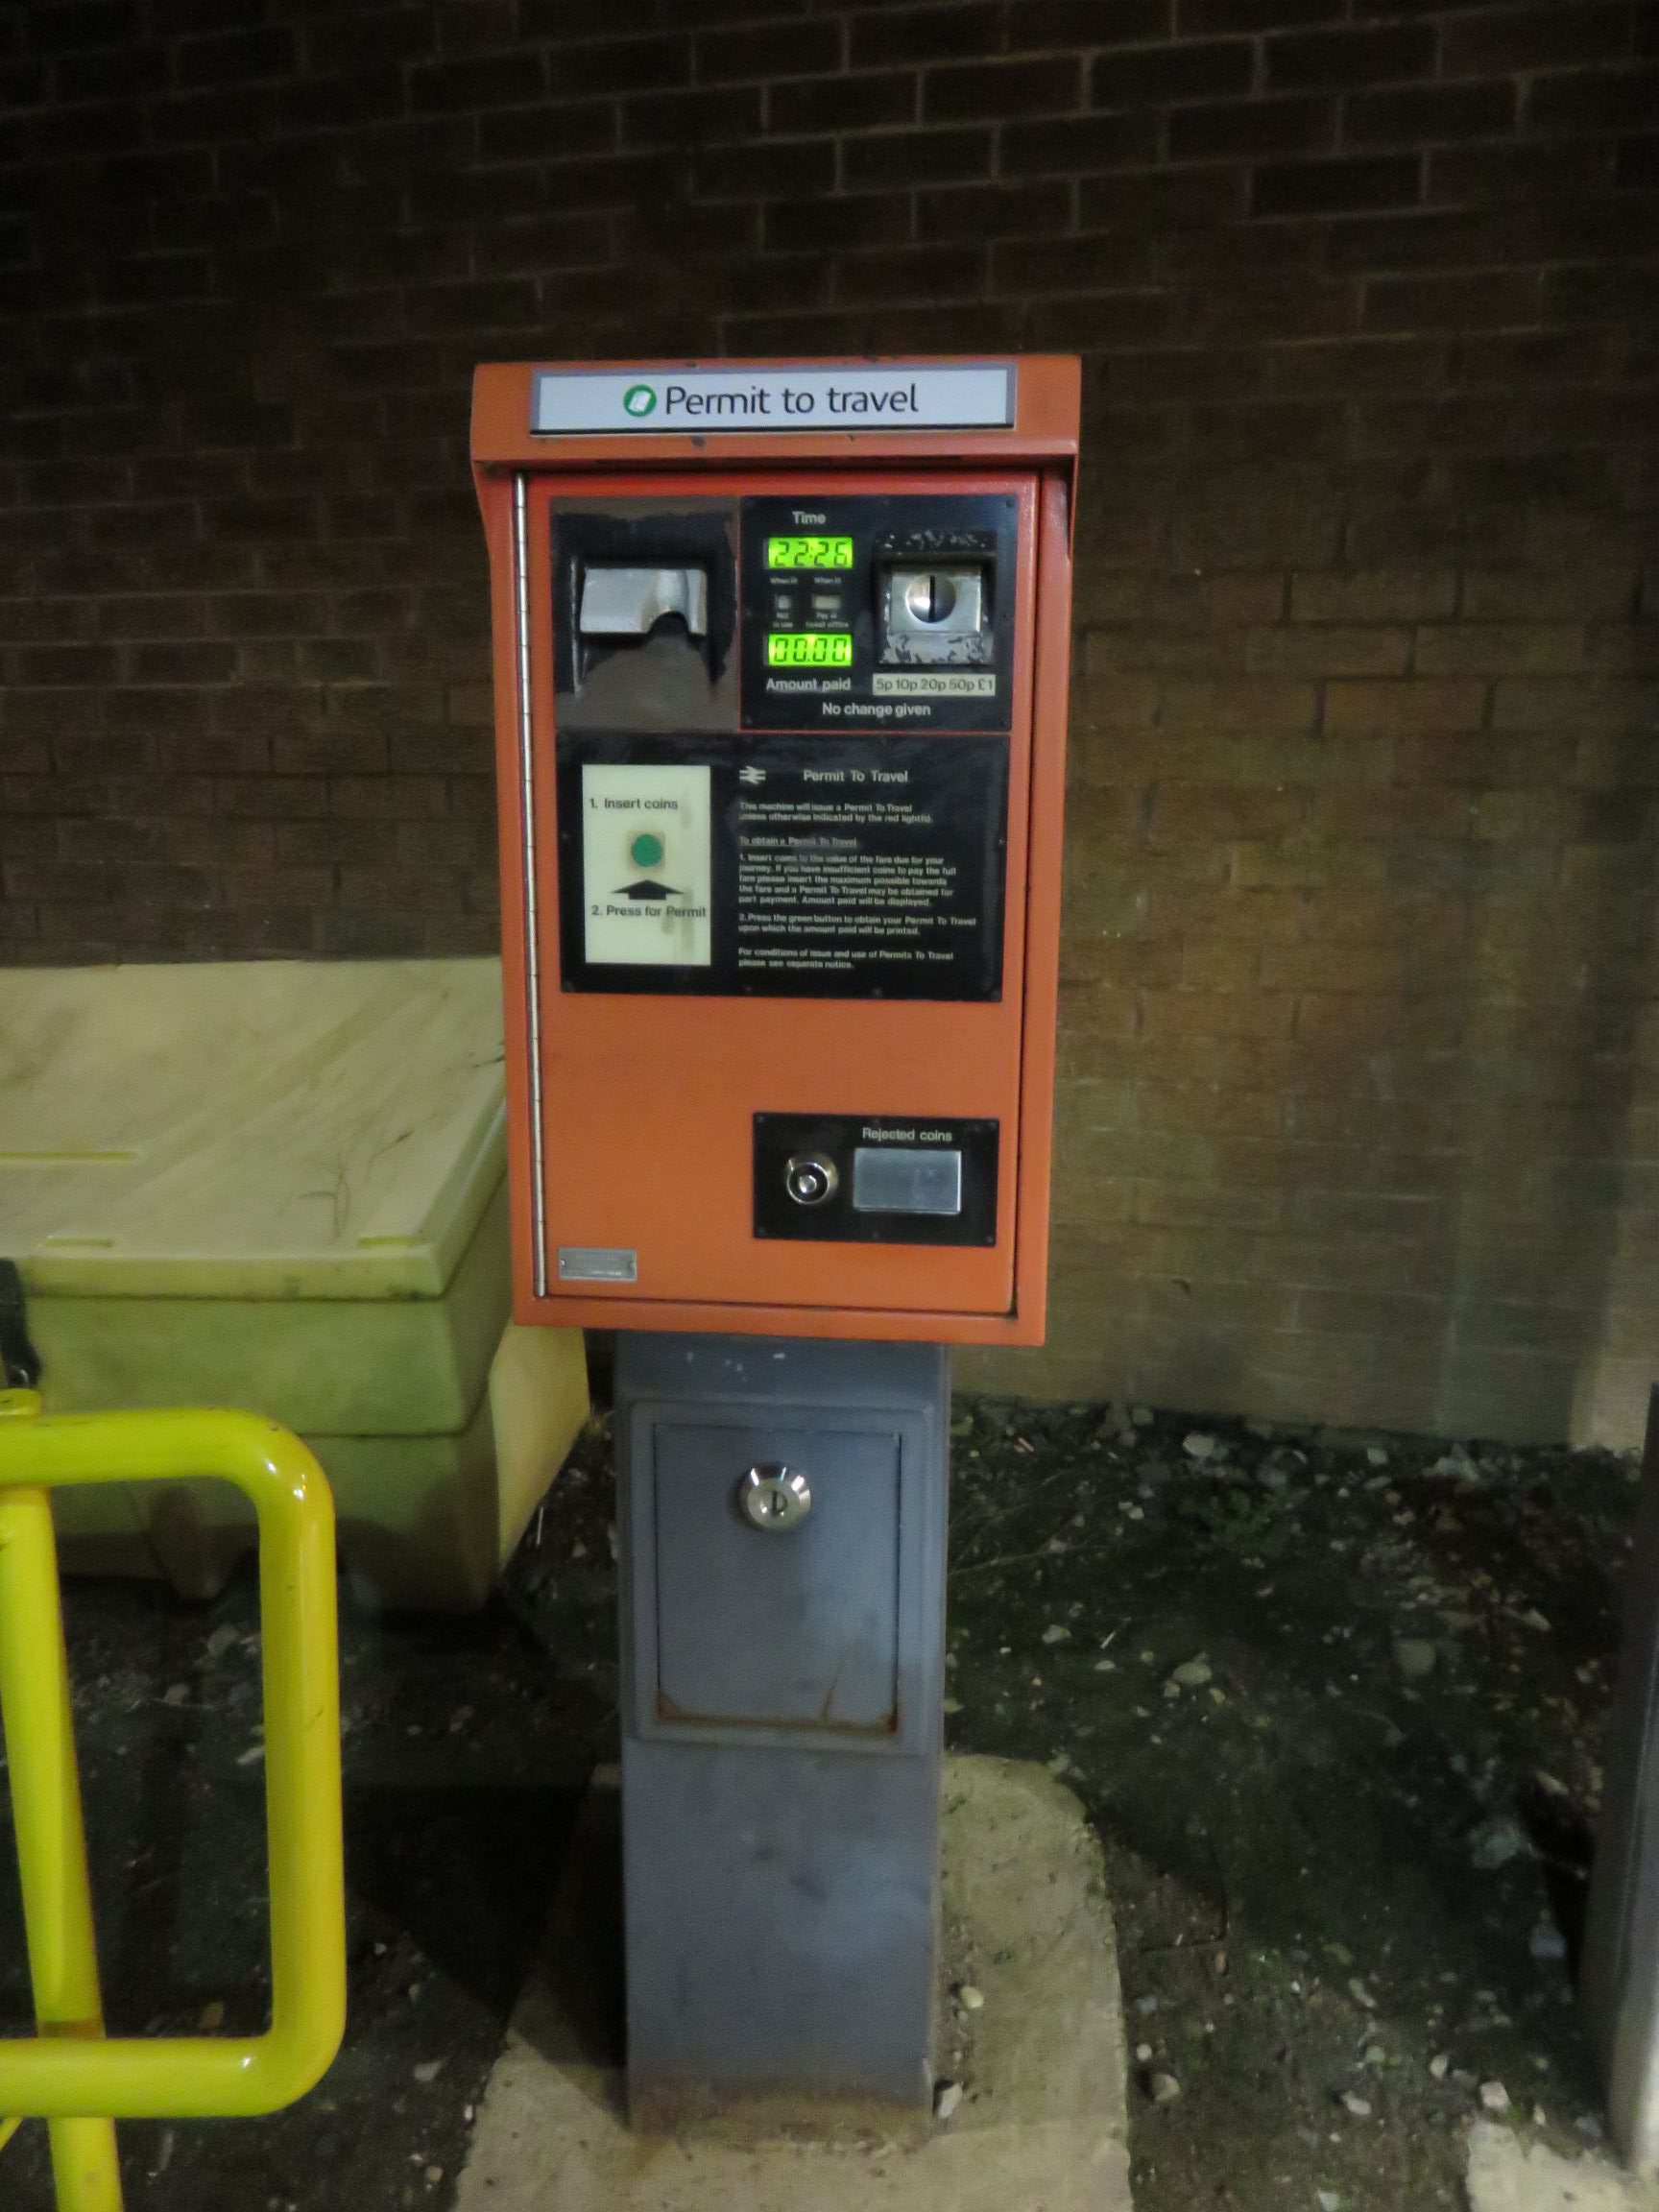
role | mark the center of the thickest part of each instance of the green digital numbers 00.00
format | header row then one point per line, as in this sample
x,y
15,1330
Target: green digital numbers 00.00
x,y
810,649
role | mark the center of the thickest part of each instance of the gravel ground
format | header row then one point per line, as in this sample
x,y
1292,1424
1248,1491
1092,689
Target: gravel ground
x,y
1333,1703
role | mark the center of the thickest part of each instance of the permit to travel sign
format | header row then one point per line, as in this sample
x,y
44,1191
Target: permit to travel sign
x,y
895,395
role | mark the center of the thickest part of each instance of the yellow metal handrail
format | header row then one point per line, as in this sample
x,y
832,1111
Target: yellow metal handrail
x,y
70,2073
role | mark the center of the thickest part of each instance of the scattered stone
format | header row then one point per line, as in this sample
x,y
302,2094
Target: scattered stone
x,y
221,1641
1415,1657
1163,2088
434,2175
429,2069
1439,2065
1376,1454
1057,1633
946,2098
1142,1415
952,1704
1497,1841
1198,1446
176,1694
211,2017
1361,1995
1494,2097
1547,1941
1534,1619
1142,2054
1352,2102
969,1998
1193,1673
1327,2200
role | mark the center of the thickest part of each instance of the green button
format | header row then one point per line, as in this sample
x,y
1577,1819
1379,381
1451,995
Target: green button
x,y
646,850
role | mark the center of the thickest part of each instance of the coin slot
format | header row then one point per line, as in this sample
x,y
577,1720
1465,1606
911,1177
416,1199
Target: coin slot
x,y
935,612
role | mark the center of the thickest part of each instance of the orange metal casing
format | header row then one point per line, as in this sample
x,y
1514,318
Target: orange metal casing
x,y
642,1139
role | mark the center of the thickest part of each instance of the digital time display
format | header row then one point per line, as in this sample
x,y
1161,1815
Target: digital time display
x,y
809,552
809,648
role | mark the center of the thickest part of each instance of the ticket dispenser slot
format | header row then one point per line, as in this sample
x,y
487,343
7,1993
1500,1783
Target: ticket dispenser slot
x,y
644,602
620,602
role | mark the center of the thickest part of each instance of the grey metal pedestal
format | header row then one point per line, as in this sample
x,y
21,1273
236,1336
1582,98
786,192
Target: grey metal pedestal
x,y
782,1509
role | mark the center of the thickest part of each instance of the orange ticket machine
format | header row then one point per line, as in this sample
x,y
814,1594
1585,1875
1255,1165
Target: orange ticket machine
x,y
782,654
781,678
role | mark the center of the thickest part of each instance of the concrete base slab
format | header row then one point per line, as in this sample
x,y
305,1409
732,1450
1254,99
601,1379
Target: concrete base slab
x,y
1507,2175
1041,2125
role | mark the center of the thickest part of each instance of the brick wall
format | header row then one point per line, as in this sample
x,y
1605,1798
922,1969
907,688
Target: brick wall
x,y
1360,1108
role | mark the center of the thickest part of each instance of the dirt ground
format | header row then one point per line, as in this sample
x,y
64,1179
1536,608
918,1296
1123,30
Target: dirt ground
x,y
1333,1702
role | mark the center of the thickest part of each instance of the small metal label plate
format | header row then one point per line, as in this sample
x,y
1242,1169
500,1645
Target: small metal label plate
x,y
597,1263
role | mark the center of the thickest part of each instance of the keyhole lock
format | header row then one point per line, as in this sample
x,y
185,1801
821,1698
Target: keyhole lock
x,y
810,1178
929,598
775,1497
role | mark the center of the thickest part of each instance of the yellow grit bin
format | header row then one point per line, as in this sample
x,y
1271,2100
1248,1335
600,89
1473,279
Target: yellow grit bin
x,y
281,1186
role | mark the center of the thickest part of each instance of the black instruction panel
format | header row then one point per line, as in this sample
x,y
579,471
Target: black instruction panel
x,y
783,749
780,866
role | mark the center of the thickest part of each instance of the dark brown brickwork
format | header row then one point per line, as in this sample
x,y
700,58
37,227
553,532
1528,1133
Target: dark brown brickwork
x,y
1360,1114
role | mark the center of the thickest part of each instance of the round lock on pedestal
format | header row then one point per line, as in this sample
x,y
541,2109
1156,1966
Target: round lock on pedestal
x,y
775,1497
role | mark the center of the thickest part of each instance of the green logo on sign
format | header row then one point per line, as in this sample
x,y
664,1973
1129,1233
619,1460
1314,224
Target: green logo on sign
x,y
639,399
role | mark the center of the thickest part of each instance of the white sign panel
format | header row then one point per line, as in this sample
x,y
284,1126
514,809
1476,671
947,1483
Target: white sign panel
x,y
647,872
975,396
